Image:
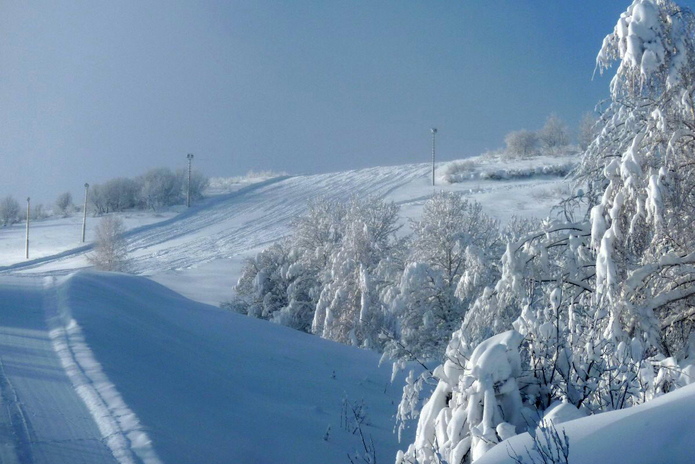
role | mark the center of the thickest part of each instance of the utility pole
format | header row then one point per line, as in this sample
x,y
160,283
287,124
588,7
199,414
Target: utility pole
x,y
26,254
188,195
84,218
434,134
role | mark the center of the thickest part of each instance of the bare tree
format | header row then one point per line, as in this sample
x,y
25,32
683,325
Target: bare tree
x,y
110,252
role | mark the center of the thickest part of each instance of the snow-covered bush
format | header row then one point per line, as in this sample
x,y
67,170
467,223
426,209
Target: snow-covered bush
x,y
461,171
157,188
458,171
476,404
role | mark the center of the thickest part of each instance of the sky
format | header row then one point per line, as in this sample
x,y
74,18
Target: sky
x,y
92,89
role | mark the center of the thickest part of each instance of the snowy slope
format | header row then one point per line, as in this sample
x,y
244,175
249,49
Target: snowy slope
x,y
199,252
205,385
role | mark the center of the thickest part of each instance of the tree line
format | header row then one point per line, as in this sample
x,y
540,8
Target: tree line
x,y
155,189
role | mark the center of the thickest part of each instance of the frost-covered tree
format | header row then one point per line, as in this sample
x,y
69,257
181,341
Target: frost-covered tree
x,y
120,194
521,143
451,253
9,211
604,304
199,182
64,205
554,134
110,247
351,307
586,132
159,188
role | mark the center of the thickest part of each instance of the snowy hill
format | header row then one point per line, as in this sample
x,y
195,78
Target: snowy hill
x,y
114,368
199,251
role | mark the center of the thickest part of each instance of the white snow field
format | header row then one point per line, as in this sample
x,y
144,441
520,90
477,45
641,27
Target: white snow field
x,y
98,367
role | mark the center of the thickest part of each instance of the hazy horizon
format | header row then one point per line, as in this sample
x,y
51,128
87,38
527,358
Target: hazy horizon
x,y
95,90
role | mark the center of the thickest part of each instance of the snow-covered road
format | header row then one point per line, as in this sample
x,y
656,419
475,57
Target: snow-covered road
x,y
48,421
107,368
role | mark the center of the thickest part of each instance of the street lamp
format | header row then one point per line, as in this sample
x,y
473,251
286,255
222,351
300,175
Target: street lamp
x,y
84,218
188,195
434,134
26,254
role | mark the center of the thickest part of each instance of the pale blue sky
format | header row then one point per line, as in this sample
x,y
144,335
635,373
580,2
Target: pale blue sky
x,y
92,89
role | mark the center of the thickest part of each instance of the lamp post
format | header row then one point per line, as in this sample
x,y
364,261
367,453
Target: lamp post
x,y
84,217
434,134
188,194
26,250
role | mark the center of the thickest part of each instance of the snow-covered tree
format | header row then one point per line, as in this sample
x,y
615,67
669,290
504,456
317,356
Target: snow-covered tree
x,y
63,204
110,247
640,171
604,304
283,283
521,143
9,210
451,255
554,134
351,308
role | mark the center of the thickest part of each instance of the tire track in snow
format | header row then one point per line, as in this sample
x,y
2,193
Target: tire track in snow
x,y
16,448
253,217
257,218
119,426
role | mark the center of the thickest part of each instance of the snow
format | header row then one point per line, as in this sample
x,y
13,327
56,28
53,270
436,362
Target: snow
x,y
117,368
661,430
181,382
199,252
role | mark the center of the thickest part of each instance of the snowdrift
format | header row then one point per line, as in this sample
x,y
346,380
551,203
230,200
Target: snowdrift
x,y
215,387
659,431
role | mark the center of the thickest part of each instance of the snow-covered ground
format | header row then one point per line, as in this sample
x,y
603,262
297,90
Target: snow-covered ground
x,y
170,380
112,368
200,251
659,431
